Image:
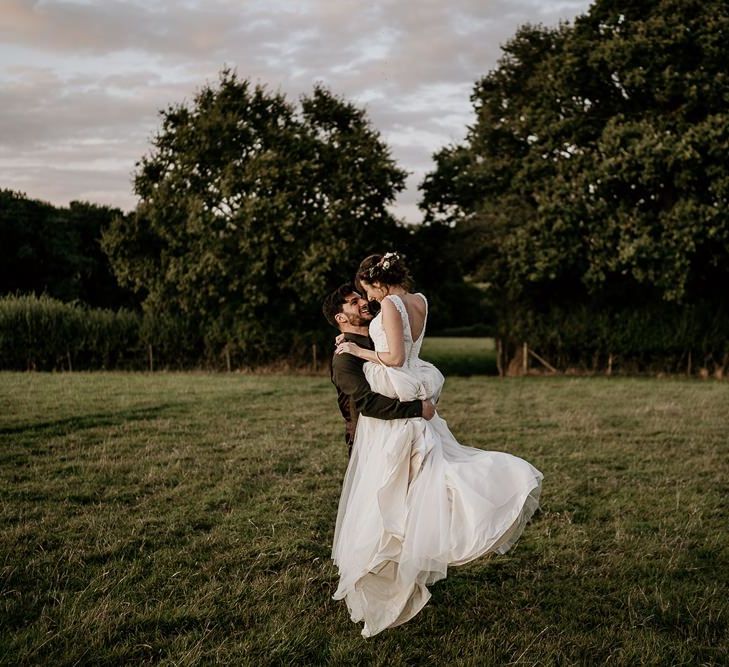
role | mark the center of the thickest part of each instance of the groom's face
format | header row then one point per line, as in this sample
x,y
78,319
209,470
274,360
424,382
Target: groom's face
x,y
356,310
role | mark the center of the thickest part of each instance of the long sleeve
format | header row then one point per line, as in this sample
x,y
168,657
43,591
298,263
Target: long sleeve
x,y
348,376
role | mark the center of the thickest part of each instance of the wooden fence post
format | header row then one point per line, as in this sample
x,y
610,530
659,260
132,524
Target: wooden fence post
x,y
150,357
313,356
227,357
688,367
525,358
499,357
68,356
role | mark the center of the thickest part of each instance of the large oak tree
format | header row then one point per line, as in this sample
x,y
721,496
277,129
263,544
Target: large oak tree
x,y
250,208
596,172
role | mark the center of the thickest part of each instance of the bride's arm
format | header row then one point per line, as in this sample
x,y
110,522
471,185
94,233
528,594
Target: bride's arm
x,y
392,324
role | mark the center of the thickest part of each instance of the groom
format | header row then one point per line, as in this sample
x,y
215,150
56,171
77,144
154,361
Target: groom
x,y
347,311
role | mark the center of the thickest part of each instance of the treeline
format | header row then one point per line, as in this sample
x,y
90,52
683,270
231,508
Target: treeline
x,y
57,251
592,190
585,217
63,307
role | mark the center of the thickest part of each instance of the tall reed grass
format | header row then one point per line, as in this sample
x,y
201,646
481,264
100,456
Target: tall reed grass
x,y
41,333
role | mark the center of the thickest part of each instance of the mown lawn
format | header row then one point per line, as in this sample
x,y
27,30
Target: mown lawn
x,y
187,518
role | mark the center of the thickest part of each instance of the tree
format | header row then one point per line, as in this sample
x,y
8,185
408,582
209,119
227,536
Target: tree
x,y
435,259
250,209
56,251
596,170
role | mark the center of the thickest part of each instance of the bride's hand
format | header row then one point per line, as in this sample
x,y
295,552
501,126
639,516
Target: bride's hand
x,y
339,339
348,348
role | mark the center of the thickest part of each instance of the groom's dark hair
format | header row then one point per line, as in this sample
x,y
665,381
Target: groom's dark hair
x,y
332,305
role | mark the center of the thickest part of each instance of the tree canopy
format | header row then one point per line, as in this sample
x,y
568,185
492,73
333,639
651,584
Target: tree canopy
x,y
56,251
250,208
595,172
598,154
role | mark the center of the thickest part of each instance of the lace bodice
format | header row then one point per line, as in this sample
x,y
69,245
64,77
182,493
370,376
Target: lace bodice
x,y
412,347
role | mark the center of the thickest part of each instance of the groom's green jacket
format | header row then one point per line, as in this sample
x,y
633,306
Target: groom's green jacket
x,y
355,397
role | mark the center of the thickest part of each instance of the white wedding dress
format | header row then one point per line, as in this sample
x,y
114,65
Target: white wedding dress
x,y
414,501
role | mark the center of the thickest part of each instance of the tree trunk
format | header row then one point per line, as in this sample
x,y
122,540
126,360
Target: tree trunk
x,y
500,357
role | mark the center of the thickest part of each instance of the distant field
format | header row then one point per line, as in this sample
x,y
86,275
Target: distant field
x,y
188,518
461,356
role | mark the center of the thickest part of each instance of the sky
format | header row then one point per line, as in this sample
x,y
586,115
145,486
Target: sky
x,y
82,81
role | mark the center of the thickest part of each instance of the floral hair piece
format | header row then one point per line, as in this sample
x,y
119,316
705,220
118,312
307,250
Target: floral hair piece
x,y
385,262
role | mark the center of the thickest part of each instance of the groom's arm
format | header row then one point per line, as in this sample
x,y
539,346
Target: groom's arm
x,y
348,375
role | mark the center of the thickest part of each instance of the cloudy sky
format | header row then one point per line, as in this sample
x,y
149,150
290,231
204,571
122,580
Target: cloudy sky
x,y
82,80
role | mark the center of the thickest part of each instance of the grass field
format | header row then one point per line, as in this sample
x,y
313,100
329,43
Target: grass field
x,y
187,518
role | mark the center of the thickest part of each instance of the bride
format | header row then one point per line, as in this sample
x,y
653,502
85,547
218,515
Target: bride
x,y
414,500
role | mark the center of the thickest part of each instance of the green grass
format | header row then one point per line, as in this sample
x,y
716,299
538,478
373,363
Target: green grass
x,y
187,518
461,356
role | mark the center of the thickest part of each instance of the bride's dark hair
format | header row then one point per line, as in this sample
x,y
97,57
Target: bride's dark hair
x,y
388,269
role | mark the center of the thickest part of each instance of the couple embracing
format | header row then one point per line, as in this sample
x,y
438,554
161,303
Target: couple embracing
x,y
414,500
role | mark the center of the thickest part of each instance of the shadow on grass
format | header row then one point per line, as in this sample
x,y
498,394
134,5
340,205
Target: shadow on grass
x,y
69,425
